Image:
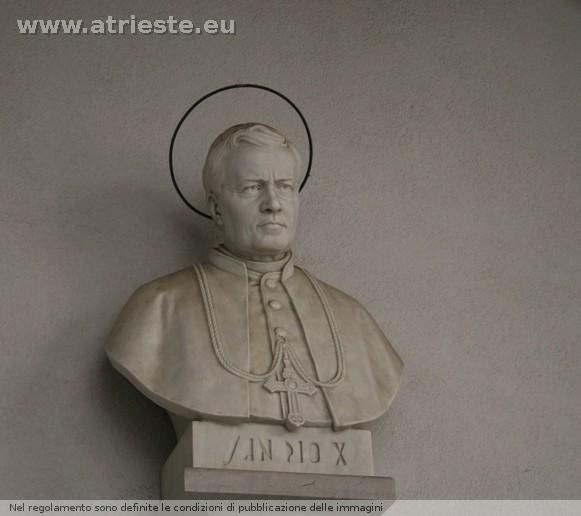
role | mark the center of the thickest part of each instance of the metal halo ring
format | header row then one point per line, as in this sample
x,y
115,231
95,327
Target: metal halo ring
x,y
215,92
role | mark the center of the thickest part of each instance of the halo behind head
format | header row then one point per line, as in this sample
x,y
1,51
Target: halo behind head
x,y
217,92
250,133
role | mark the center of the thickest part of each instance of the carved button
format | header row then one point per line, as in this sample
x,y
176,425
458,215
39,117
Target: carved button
x,y
281,332
275,305
270,283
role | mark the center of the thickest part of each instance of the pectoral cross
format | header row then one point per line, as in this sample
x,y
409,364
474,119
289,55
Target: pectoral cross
x,y
291,386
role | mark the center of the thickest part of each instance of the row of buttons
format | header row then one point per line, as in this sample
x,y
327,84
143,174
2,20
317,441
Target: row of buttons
x,y
271,283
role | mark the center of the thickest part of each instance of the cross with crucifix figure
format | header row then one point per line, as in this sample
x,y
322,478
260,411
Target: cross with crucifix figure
x,y
292,388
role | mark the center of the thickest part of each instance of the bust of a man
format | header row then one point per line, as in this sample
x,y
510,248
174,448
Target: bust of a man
x,y
248,336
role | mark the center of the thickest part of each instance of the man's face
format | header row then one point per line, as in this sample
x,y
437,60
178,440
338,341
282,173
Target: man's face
x,y
258,206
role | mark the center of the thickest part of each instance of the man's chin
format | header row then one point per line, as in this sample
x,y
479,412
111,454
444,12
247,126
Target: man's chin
x,y
272,247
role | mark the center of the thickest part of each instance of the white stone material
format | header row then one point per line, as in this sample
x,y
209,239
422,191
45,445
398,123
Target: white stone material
x,y
273,448
209,454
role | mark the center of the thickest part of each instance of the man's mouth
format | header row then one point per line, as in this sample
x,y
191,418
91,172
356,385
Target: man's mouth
x,y
273,224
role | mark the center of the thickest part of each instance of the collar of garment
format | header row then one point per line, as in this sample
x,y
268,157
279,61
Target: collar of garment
x,y
242,267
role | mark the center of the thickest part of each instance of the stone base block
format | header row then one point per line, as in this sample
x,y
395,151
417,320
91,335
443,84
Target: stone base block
x,y
214,461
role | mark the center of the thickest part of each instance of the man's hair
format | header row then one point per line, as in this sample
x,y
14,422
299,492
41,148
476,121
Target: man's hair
x,y
251,133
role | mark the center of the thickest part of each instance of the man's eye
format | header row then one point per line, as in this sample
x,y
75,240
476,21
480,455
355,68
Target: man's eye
x,y
286,186
252,188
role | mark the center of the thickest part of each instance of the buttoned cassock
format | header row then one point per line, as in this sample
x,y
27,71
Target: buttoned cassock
x,y
161,343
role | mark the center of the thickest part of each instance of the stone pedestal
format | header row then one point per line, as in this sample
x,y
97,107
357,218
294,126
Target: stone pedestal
x,y
214,460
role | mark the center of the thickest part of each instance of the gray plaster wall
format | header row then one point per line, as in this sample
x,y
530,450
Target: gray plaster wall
x,y
445,195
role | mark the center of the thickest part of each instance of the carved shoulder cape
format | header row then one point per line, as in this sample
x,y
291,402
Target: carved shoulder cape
x,y
161,344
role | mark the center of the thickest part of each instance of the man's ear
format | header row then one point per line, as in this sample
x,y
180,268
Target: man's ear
x,y
215,210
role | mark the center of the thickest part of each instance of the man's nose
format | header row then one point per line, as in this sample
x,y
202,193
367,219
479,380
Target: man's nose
x,y
271,202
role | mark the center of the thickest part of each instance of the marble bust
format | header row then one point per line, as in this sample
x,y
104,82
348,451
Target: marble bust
x,y
248,336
